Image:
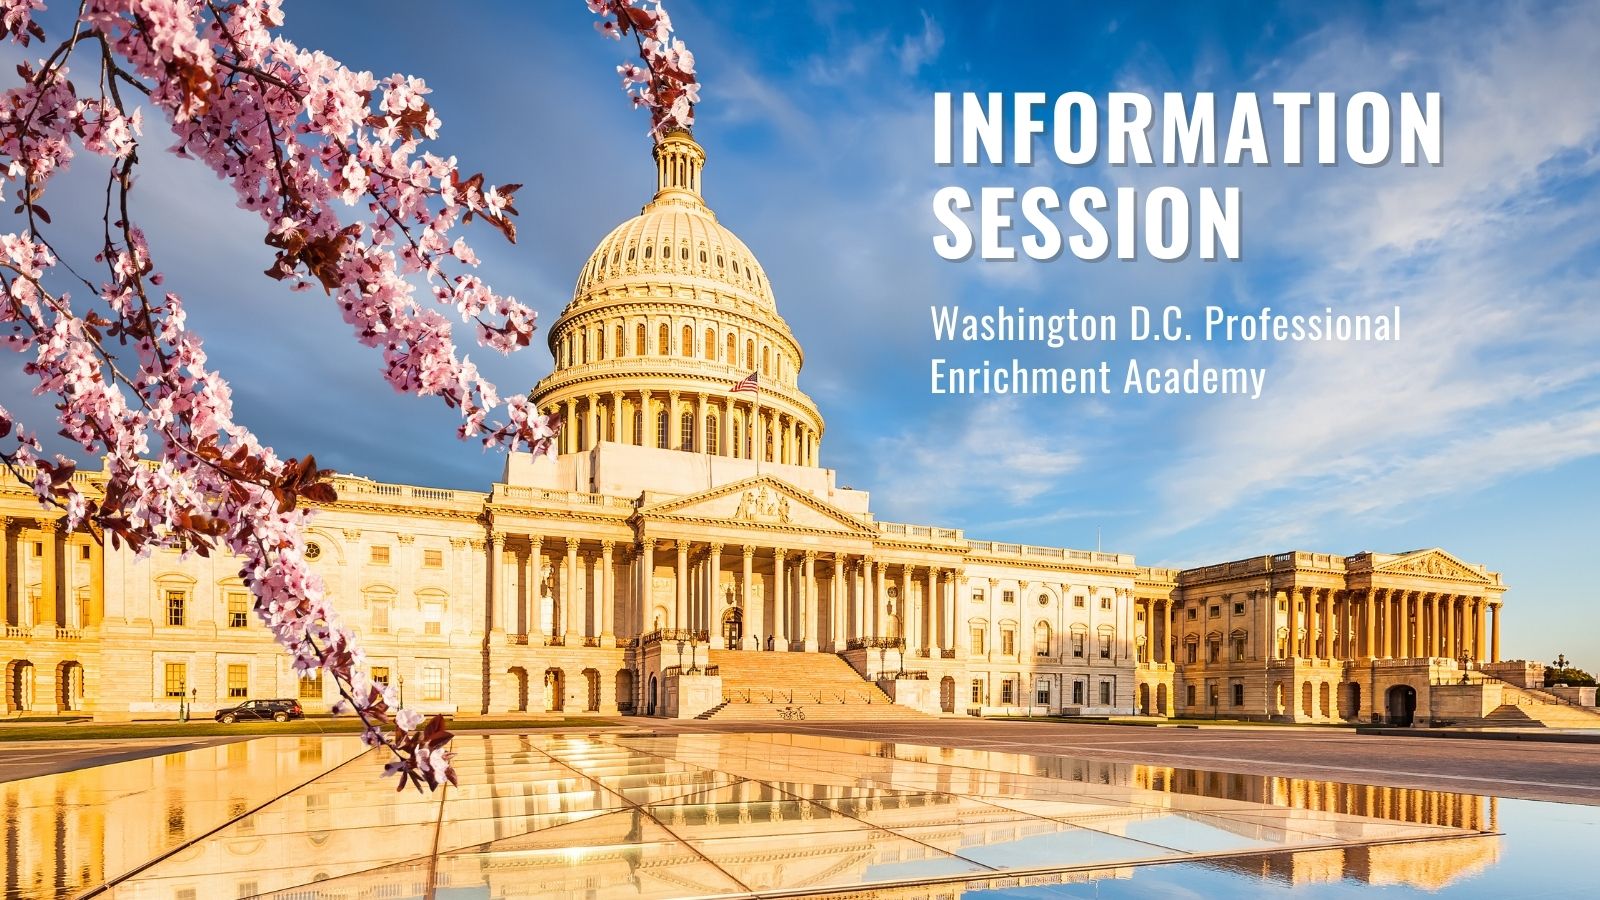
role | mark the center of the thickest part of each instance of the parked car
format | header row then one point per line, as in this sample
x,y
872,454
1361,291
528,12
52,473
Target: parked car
x,y
276,710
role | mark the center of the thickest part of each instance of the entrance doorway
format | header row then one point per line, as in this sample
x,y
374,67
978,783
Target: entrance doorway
x,y
732,628
554,690
947,694
1401,704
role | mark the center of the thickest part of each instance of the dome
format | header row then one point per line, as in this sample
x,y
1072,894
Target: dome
x,y
672,311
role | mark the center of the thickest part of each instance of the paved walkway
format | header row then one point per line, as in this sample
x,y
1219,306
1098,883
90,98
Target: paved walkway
x,y
26,759
1568,773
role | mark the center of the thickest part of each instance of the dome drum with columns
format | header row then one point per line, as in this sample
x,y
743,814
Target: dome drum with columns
x,y
669,312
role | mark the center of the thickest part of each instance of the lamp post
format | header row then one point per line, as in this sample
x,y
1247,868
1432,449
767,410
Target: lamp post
x,y
1466,665
680,655
400,687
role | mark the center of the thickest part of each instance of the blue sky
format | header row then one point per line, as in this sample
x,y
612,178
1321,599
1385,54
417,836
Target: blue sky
x,y
1478,433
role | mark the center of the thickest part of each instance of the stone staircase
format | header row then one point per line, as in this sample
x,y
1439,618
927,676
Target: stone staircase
x,y
777,687
1533,708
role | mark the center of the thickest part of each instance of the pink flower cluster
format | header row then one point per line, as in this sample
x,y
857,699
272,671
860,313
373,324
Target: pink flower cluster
x,y
336,163
666,83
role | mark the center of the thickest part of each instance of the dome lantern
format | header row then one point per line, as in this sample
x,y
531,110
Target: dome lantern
x,y
678,163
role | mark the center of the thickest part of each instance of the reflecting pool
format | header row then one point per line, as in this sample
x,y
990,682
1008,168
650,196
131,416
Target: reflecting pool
x,y
638,815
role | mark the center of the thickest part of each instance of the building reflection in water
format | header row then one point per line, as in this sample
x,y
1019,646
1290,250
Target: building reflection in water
x,y
700,815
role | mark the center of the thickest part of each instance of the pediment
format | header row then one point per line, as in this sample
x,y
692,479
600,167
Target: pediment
x,y
1433,563
759,502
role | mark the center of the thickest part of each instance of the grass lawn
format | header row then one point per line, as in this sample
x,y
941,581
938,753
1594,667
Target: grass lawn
x,y
115,731
1154,722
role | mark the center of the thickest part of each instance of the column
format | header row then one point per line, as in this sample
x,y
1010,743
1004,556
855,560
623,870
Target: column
x,y
608,595
97,582
809,607
1480,616
1322,647
859,590
700,423
5,578
753,612
1494,638
497,580
780,640
930,594
1450,627
569,588
616,417
1370,625
1166,630
836,604
535,620
680,612
905,605
592,417
1310,600
674,432
647,582
46,613
569,426
880,591
714,590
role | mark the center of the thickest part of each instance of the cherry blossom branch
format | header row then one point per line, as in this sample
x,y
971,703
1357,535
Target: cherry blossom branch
x,y
666,84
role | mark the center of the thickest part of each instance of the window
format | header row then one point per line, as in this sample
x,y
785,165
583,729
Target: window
x,y
38,549
175,682
380,675
1077,693
238,610
978,643
731,353
766,360
1216,610
1238,693
1041,692
711,344
1008,597
1008,641
686,432
1105,602
83,552
1238,607
433,559
1213,651
238,681
1005,692
621,344
1041,639
977,596
1078,602
380,616
1044,599
687,348
1194,613
433,684
313,550
1238,647
379,556
1191,652
749,354
662,340
977,692
1105,645
432,615
661,430
1078,638
1190,696
638,340
311,688
1283,605
1105,691
175,607
711,433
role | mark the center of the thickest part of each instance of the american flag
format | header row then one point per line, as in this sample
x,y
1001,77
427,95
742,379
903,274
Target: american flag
x,y
748,384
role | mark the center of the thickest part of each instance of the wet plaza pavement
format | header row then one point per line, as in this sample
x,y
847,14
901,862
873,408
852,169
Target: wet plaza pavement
x,y
636,814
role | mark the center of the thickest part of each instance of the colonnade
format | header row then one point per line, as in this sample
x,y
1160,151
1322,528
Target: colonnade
x,y
48,592
696,421
793,599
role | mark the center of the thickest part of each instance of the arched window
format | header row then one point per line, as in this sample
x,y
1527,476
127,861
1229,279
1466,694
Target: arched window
x,y
600,342
711,433
661,340
1041,638
766,360
622,345
661,430
638,340
711,344
648,250
735,446
688,341
732,352
638,428
769,446
749,439
686,431
749,354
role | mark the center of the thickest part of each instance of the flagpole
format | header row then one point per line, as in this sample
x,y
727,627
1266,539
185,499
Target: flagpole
x,y
761,442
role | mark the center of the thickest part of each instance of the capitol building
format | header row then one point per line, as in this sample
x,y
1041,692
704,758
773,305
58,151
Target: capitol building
x,y
685,554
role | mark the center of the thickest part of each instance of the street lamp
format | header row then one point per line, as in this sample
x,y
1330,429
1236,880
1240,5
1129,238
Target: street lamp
x,y
1466,664
400,688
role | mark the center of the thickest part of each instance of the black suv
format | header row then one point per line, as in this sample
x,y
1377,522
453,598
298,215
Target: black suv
x,y
276,710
